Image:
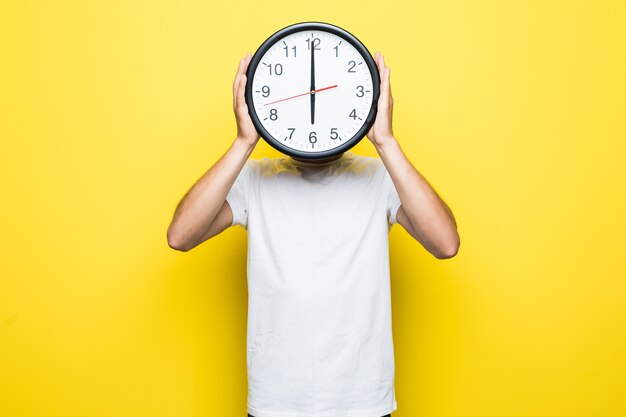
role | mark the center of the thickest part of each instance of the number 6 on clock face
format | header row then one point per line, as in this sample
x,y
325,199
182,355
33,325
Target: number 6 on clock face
x,y
312,90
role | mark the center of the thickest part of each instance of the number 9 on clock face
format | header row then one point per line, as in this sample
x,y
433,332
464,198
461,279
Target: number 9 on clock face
x,y
312,90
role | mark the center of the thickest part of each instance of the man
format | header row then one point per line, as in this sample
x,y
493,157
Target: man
x,y
319,340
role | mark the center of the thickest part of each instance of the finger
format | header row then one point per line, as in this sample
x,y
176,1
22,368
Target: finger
x,y
246,62
384,80
385,93
387,83
242,66
383,67
236,89
236,80
241,100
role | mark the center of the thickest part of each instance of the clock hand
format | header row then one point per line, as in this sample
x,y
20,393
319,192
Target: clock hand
x,y
303,94
312,89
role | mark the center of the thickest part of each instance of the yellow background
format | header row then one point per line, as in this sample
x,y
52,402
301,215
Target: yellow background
x,y
110,110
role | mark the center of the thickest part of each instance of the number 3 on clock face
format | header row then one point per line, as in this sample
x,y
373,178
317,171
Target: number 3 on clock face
x,y
312,90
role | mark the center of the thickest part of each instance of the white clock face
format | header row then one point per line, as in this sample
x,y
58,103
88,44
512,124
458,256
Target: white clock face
x,y
312,108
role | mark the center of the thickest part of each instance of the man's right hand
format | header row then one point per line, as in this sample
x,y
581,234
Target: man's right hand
x,y
203,212
246,132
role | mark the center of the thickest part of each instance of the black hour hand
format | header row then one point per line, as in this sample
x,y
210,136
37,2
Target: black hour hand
x,y
312,89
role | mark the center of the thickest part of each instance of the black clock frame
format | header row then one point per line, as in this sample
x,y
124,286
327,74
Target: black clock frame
x,y
301,27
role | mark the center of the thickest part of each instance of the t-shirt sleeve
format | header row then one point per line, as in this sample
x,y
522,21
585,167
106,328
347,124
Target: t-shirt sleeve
x,y
393,199
238,196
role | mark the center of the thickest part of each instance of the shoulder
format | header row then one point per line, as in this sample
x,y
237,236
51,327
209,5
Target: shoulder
x,y
366,165
263,167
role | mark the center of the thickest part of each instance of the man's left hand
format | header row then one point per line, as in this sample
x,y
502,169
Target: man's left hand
x,y
381,132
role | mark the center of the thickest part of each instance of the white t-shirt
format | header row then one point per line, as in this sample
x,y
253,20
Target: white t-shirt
x,y
319,338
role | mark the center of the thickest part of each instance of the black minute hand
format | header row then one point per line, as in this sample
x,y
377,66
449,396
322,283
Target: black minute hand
x,y
312,90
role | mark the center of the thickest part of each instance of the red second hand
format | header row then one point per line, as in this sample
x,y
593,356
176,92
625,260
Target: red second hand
x,y
300,95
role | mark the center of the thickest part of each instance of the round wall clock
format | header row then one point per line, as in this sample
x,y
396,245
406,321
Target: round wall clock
x,y
312,90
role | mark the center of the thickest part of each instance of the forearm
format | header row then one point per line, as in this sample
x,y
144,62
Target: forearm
x,y
198,208
426,211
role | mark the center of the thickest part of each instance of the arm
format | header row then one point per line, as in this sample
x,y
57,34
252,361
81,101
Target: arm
x,y
423,214
204,212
